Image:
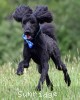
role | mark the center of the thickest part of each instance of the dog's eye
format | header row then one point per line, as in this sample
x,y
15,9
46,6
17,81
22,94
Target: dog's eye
x,y
24,22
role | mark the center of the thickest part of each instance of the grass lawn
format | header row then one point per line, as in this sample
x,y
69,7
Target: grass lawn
x,y
13,87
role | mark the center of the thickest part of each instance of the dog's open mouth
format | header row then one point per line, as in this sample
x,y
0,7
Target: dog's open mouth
x,y
28,36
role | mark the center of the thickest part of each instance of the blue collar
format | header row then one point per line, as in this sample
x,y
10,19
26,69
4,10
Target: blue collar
x,y
30,44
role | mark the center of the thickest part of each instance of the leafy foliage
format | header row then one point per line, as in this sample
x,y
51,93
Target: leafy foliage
x,y
10,41
66,15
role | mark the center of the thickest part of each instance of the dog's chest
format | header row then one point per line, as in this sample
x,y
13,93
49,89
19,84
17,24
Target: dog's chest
x,y
36,55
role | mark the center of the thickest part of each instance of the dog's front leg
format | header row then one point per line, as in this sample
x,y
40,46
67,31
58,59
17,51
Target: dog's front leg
x,y
20,69
45,68
26,59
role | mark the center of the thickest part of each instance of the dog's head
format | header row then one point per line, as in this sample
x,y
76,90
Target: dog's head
x,y
31,20
30,25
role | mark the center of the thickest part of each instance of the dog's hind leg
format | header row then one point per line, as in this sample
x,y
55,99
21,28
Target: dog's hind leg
x,y
39,69
48,82
61,66
44,72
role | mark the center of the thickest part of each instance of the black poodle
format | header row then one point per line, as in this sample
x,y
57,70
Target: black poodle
x,y
39,42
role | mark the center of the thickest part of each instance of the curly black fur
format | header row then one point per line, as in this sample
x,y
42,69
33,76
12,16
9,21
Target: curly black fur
x,y
43,14
45,45
48,29
21,11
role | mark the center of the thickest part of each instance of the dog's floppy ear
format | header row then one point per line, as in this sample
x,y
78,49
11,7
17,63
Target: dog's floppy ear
x,y
43,14
20,12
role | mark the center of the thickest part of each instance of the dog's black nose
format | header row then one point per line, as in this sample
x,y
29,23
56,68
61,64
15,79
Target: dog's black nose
x,y
27,32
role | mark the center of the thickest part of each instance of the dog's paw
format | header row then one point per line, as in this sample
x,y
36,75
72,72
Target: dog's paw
x,y
20,71
67,79
38,88
51,87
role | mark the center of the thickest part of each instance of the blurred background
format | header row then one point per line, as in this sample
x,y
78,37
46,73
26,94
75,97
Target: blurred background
x,y
66,18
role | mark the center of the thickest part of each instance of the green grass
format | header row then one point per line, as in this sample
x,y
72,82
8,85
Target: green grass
x,y
13,87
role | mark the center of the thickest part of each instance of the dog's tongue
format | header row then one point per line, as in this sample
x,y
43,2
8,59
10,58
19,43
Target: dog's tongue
x,y
28,36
